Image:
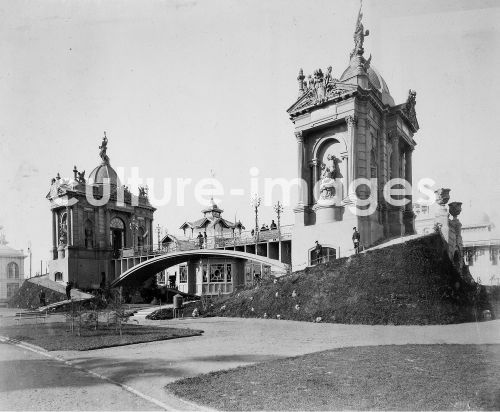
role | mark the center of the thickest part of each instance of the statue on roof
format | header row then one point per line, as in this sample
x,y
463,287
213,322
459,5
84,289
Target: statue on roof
x,y
103,147
3,240
81,177
359,34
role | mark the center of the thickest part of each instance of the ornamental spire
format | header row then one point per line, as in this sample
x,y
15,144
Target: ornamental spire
x,y
359,34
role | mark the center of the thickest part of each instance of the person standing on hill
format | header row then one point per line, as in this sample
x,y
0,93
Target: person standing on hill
x,y
68,290
318,251
41,296
356,238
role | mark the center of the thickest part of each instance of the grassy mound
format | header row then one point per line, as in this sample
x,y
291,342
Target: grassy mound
x,y
27,297
409,283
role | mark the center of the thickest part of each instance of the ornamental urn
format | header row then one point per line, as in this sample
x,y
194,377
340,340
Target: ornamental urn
x,y
442,196
455,208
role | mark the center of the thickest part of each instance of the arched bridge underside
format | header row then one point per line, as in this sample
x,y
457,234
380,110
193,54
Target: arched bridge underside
x,y
143,271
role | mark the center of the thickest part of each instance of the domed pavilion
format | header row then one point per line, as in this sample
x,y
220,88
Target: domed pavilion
x,y
93,220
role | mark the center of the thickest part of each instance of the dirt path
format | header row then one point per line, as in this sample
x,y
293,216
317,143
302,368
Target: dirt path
x,y
230,342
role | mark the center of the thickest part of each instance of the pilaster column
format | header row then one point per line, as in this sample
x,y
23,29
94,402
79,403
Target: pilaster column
x,y
314,165
408,172
69,223
97,232
54,230
107,221
300,162
352,122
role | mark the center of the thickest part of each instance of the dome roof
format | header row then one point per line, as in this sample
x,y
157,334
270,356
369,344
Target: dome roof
x,y
104,171
7,251
374,77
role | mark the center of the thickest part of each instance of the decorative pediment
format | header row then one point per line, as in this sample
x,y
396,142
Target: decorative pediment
x,y
318,93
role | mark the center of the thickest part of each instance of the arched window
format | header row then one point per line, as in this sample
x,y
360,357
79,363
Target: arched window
x,y
329,253
402,166
117,223
117,235
373,164
140,237
89,234
58,277
13,270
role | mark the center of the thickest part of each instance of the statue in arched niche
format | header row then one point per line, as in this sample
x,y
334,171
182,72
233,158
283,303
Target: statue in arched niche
x,y
329,178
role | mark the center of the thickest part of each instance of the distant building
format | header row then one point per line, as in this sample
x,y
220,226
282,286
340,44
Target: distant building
x,y
481,239
87,236
11,270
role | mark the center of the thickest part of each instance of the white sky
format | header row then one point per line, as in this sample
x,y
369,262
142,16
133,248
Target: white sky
x,y
182,87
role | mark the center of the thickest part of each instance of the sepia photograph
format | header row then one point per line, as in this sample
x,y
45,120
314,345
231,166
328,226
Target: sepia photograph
x,y
249,205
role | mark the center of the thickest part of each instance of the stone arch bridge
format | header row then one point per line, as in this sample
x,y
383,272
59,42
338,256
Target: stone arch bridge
x,y
141,270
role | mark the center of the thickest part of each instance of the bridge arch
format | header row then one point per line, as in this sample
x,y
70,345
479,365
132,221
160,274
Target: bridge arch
x,y
144,270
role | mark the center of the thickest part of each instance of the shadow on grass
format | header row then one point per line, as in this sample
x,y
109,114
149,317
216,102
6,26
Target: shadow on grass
x,y
49,373
123,369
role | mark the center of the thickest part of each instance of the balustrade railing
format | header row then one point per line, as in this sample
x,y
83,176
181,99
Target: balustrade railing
x,y
211,242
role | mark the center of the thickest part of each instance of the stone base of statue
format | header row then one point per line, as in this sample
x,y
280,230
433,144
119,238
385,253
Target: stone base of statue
x,y
328,212
61,251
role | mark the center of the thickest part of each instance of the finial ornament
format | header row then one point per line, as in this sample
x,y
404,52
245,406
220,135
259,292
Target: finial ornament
x,y
359,34
103,147
300,79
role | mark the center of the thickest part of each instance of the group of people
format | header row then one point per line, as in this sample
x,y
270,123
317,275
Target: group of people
x,y
202,239
42,297
356,240
265,227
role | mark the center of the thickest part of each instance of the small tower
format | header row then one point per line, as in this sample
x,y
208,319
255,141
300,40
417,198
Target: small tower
x,y
349,129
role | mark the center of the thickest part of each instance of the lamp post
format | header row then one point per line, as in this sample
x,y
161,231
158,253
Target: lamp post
x,y
255,202
278,208
158,231
134,225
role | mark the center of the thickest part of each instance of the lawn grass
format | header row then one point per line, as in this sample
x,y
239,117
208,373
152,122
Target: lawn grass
x,y
57,336
408,377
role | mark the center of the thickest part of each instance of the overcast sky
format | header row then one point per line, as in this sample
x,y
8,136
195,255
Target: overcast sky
x,y
183,87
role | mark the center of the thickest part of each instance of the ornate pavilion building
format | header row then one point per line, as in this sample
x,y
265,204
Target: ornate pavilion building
x,y
212,224
349,128
92,220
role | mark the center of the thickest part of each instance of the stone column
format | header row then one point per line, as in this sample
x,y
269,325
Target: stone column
x,y
69,223
314,165
107,222
300,162
441,218
351,121
97,234
54,234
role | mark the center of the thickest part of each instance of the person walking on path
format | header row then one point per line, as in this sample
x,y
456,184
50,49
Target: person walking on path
x,y
68,290
356,238
41,296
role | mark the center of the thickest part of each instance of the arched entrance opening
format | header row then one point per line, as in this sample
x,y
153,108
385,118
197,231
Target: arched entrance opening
x,y
117,234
